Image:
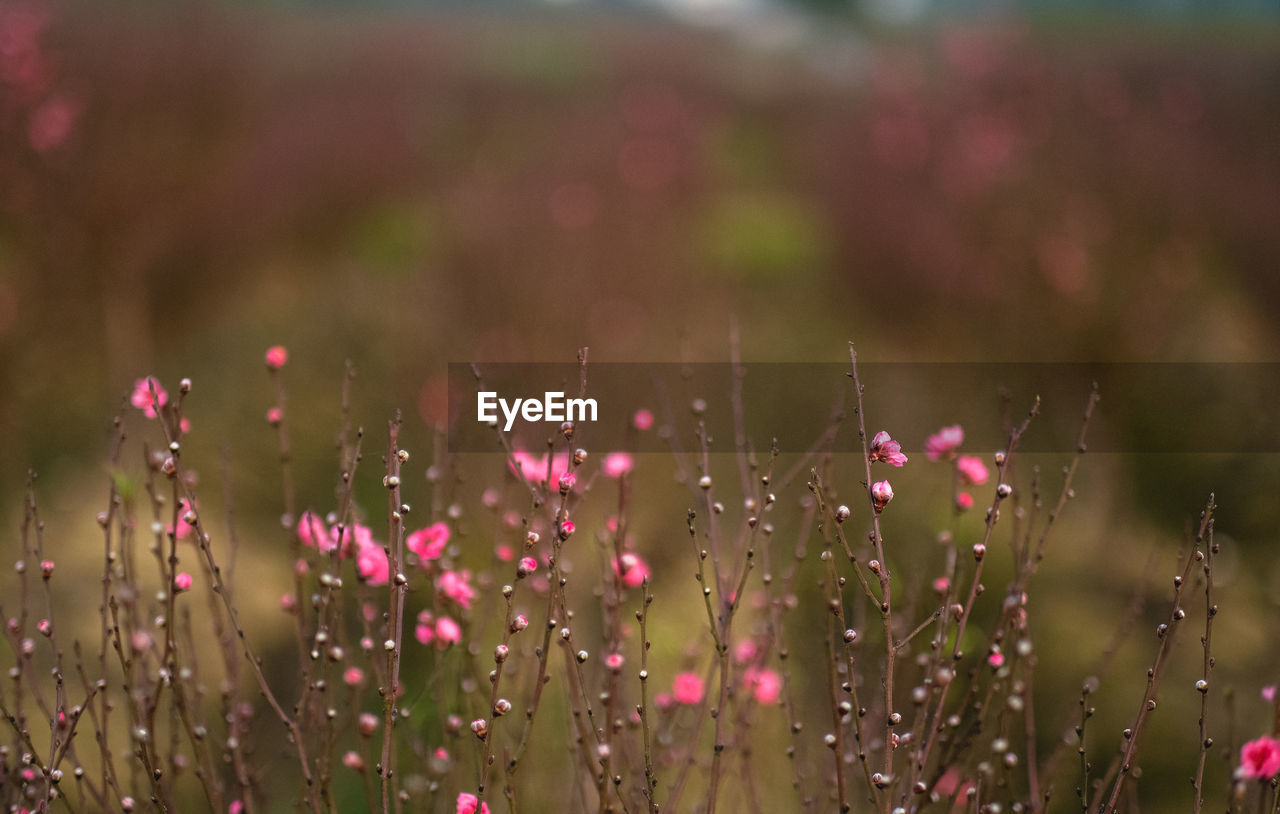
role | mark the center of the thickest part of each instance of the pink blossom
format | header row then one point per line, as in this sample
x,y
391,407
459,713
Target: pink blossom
x,y
533,468
766,685
353,761
663,700
236,807
142,398
687,688
353,676
964,501
287,603
182,581
631,569
1269,693
372,563
614,661
429,543
944,443
884,448
184,425
425,632
448,631
642,420
526,566
456,585
881,494
276,357
505,553
312,533
367,723
996,659
745,651
972,470
274,416
46,568
1260,759
616,464
183,529
941,584
469,804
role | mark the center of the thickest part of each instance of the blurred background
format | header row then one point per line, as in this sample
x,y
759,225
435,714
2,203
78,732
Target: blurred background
x,y
405,185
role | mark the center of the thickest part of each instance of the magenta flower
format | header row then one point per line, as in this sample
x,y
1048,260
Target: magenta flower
x,y
884,448
616,464
996,659
631,569
881,494
142,398
182,582
1260,759
469,804
429,543
642,420
372,563
972,470
353,676
533,468
766,685
456,585
687,688
1269,693
944,443
447,631
276,357
964,501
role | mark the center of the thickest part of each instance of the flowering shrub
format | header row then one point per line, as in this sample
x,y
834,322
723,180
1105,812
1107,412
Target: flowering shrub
x,y
429,663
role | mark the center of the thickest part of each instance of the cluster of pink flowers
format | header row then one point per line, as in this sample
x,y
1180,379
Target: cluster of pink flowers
x,y
355,541
945,445
884,449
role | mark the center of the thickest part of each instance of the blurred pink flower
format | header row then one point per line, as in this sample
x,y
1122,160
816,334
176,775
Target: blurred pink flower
x,y
633,570
745,651
1269,693
996,659
687,688
616,464
312,533
52,122
353,676
182,581
456,585
469,804
972,470
274,416
276,357
964,501
429,543
642,420
142,398
236,807
372,563
1260,759
941,584
448,631
884,448
944,443
425,631
533,468
766,685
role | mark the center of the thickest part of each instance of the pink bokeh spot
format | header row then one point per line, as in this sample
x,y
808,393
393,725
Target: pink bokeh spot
x,y
276,357
631,569
616,464
456,585
972,470
766,685
687,688
642,420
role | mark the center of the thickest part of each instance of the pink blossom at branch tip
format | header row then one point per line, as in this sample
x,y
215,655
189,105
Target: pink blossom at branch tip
x,y
429,543
881,494
470,804
236,807
631,569
941,584
964,501
287,603
884,448
456,585
642,420
996,659
142,398
274,416
944,443
276,357
766,685
1260,759
447,631
372,564
1269,693
182,581
972,470
46,568
353,676
526,566
614,661
353,761
616,464
687,688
